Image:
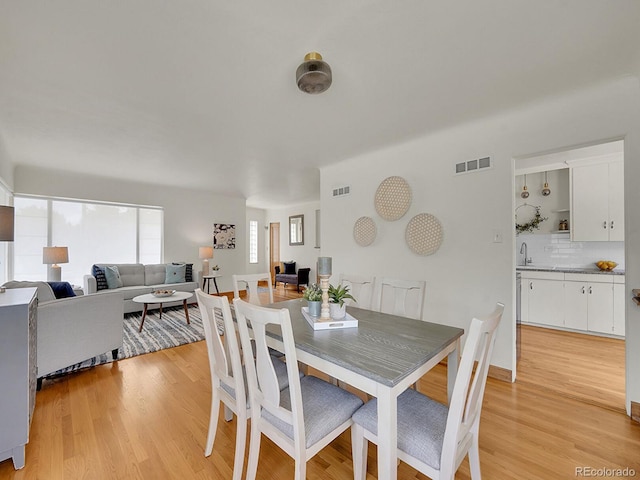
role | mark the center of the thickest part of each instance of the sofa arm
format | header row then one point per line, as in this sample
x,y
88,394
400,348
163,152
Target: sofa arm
x,y
303,276
74,329
90,284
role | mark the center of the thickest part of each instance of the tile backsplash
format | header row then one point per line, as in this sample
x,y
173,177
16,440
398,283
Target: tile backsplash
x,y
556,249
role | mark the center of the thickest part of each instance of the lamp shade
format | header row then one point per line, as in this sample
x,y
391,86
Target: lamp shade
x,y
55,255
206,252
6,223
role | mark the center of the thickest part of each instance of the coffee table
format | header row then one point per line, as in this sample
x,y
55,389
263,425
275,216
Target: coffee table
x,y
148,299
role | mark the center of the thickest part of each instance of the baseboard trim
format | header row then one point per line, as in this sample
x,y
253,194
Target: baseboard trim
x,y
635,411
500,373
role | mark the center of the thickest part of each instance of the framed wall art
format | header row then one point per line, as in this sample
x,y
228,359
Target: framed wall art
x,y
224,236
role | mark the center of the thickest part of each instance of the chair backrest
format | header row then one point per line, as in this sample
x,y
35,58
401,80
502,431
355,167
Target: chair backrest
x,y
264,390
251,280
361,287
468,391
399,297
224,358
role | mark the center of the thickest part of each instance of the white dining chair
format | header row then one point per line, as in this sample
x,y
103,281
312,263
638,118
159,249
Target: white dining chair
x,y
404,298
251,280
301,419
434,438
228,381
360,287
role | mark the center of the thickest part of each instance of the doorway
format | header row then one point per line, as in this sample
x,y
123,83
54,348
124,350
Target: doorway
x,y
274,248
557,250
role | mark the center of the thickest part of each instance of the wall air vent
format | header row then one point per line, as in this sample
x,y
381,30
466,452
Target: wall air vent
x,y
341,191
473,165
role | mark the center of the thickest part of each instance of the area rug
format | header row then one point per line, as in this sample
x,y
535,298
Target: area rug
x,y
157,334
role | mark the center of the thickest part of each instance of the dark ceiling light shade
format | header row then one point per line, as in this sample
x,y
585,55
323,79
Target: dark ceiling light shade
x,y
313,75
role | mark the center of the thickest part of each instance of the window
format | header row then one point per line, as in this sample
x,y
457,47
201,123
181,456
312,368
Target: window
x,y
93,232
253,241
5,199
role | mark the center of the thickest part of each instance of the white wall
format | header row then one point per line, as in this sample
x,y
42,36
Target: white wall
x,y
6,167
304,255
470,273
189,215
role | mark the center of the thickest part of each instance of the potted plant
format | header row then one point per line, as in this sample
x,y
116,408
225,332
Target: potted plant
x,y
337,296
313,295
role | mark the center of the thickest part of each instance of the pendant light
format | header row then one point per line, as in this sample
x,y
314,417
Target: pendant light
x,y
525,193
313,75
546,191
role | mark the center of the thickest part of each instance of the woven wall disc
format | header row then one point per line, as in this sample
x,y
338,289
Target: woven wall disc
x,y
393,198
364,231
423,234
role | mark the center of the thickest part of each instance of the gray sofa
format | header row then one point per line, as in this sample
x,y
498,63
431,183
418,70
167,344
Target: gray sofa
x,y
138,279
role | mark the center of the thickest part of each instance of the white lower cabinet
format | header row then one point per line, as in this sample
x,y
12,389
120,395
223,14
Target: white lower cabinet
x,y
545,298
589,303
583,302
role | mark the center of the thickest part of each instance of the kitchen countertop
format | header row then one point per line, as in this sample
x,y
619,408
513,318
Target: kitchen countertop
x,y
542,268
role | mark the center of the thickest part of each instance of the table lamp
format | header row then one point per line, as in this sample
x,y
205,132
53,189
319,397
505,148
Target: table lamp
x,y
205,254
52,256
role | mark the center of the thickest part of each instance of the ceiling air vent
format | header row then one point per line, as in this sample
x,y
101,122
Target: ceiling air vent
x,y
341,191
473,165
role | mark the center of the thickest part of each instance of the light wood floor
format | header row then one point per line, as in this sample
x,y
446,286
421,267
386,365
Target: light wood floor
x,y
146,418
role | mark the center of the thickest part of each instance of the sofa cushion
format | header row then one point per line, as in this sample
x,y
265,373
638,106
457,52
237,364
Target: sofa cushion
x,y
101,279
45,293
289,268
113,276
175,273
155,274
131,274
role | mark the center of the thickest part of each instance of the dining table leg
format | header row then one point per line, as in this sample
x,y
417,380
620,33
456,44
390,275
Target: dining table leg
x,y
387,434
452,368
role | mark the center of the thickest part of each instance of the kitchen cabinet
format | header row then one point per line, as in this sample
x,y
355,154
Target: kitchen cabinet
x,y
589,302
17,371
544,298
575,301
597,202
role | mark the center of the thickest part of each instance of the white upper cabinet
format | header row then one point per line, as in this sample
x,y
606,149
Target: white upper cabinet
x,y
597,202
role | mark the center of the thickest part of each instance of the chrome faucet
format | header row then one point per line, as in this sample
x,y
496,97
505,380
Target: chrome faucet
x,y
523,250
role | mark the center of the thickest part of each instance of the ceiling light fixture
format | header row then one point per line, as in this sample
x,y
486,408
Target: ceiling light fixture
x,y
546,191
525,193
313,75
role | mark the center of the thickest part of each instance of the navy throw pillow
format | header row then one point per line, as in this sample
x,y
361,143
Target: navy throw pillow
x,y
62,289
289,268
101,278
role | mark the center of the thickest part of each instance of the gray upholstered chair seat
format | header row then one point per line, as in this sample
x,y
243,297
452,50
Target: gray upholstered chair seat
x,y
325,408
281,372
421,425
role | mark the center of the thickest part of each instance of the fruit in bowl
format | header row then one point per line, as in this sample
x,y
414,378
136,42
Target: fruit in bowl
x,y
606,265
163,293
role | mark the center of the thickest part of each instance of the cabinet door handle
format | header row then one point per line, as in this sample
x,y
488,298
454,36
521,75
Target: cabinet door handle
x,y
530,285
590,291
611,227
583,290
604,225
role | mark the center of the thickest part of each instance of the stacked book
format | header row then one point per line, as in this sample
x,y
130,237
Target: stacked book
x,y
636,295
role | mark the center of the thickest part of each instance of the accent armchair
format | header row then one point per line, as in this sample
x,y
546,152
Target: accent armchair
x,y
290,276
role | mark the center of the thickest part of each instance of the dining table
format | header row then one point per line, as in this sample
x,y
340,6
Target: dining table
x,y
383,356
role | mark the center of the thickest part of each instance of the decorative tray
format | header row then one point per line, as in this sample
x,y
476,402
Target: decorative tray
x,y
162,293
347,322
